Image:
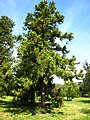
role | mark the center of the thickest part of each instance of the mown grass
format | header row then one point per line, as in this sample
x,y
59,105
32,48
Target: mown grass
x,y
78,109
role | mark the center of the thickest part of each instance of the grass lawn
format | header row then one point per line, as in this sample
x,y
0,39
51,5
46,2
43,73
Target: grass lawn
x,y
78,109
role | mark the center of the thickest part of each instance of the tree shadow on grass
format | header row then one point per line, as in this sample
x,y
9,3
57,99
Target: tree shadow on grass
x,y
3,102
85,101
85,111
50,109
17,107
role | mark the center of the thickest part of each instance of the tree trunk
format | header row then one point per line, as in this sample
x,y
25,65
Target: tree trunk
x,y
42,93
33,97
1,60
43,100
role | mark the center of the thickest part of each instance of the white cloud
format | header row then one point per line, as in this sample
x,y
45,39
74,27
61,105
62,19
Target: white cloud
x,y
57,80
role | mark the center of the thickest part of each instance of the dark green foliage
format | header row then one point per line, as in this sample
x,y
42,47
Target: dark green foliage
x,y
6,50
57,96
85,86
87,76
71,90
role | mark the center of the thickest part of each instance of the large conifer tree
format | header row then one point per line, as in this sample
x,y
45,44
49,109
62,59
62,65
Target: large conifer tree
x,y
39,53
6,50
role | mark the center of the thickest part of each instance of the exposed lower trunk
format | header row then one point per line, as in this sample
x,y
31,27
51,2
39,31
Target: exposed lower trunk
x,y
42,100
6,89
32,97
1,60
42,93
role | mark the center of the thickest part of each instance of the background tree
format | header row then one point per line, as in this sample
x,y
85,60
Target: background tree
x,y
85,86
71,90
6,50
40,56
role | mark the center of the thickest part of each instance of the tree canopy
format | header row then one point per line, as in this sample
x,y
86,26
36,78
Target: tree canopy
x,y
6,50
40,56
86,80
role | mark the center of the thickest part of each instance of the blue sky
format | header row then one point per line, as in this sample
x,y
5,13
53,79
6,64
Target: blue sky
x,y
77,20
